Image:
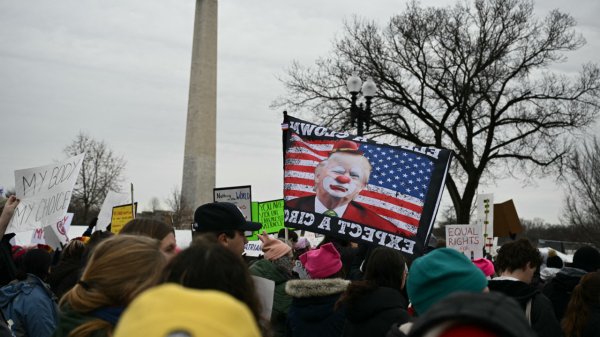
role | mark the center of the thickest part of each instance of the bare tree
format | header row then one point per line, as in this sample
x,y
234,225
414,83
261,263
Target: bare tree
x,y
100,173
181,211
582,202
471,78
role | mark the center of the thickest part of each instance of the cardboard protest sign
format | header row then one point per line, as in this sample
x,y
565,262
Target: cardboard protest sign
x,y
506,220
37,237
241,196
269,214
253,248
54,236
313,238
467,239
265,290
45,194
57,234
485,218
112,199
121,215
356,188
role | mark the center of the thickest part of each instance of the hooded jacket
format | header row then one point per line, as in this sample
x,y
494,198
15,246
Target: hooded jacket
x,y
493,311
543,320
373,313
281,300
31,307
546,274
312,313
560,288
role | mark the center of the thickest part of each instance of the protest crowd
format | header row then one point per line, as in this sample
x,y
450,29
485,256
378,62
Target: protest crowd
x,y
139,283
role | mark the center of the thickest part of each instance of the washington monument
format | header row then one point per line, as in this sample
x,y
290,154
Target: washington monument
x,y
200,135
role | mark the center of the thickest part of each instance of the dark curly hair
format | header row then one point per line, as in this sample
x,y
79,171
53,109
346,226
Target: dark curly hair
x,y
516,254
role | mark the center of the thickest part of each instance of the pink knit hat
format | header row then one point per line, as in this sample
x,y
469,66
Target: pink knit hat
x,y
273,248
322,262
486,266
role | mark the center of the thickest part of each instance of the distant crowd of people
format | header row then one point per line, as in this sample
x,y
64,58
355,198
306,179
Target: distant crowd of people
x,y
139,283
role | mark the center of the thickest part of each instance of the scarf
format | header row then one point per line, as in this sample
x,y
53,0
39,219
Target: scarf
x,y
109,314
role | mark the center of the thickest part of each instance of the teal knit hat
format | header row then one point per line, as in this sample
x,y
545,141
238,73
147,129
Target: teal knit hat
x,y
440,273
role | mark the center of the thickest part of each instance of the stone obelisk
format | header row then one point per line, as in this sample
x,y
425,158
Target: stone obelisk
x,y
201,128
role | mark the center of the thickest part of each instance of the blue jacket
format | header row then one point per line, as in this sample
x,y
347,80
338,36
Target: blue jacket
x,y
31,307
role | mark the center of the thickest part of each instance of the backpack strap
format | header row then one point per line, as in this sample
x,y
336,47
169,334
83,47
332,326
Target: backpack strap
x,y
528,310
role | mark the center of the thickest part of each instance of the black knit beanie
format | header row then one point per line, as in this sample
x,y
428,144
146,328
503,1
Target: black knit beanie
x,y
587,258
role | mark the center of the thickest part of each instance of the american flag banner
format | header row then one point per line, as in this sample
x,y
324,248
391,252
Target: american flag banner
x,y
348,186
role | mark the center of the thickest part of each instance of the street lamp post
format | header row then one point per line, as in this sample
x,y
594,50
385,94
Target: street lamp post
x,y
358,114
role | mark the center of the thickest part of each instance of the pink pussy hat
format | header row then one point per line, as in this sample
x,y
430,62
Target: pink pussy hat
x,y
322,262
486,266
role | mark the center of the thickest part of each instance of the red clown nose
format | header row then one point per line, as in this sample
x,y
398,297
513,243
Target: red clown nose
x,y
342,179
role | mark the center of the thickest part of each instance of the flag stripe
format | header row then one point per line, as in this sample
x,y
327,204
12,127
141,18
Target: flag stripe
x,y
403,210
400,201
306,170
300,162
299,182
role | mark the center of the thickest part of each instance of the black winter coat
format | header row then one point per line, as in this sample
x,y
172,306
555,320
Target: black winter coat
x,y
373,313
560,288
312,312
493,311
543,320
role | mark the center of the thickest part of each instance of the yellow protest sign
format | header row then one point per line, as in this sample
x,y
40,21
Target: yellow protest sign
x,y
121,215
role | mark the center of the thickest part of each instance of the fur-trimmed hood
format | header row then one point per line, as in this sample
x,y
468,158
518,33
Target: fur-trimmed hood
x,y
315,287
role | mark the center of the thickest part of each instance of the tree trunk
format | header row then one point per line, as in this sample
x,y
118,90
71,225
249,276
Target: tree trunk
x,y
463,217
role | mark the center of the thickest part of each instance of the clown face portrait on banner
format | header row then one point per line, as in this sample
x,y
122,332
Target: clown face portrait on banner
x,y
351,187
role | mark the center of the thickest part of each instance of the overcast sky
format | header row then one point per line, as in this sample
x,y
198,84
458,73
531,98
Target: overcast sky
x,y
119,70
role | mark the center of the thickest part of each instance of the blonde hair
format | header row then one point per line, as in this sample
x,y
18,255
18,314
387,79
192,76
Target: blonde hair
x,y
120,268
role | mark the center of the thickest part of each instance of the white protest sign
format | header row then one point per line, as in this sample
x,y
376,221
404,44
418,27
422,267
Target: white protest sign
x,y
37,237
45,194
485,216
314,239
265,289
241,196
253,248
57,234
54,236
467,239
112,199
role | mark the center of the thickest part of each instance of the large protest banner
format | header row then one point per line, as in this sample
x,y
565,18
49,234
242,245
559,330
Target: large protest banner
x,y
356,188
45,194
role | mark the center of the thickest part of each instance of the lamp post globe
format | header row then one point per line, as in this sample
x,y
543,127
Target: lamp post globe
x,y
357,114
